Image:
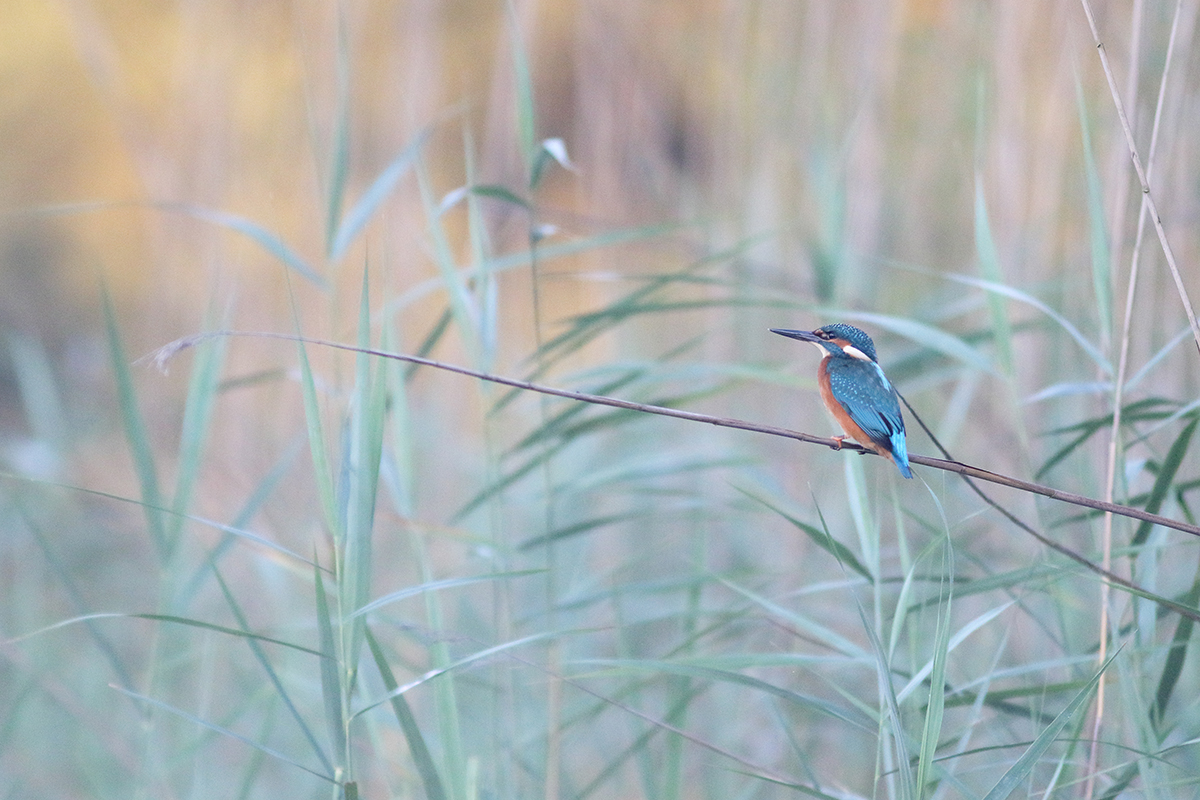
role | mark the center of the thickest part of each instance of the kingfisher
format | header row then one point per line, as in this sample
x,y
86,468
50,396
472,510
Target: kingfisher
x,y
856,391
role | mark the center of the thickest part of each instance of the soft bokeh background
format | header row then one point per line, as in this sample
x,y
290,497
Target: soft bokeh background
x,y
769,164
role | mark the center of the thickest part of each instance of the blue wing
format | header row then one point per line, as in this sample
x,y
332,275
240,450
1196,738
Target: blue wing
x,y
869,398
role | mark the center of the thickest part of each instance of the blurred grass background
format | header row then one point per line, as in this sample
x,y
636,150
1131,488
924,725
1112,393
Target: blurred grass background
x,y
669,616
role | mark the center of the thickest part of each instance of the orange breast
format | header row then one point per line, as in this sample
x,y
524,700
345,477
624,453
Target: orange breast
x,y
851,427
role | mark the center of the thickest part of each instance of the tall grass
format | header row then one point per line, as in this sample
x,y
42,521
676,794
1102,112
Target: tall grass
x,y
306,573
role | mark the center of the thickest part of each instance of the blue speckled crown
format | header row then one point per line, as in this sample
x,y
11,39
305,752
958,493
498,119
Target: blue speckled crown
x,y
854,336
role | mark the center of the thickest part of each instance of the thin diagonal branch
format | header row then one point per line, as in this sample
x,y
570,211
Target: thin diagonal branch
x,y
164,354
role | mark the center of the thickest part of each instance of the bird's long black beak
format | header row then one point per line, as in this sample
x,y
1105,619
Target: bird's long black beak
x,y
804,336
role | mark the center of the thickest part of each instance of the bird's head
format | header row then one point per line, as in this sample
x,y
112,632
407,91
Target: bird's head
x,y
838,339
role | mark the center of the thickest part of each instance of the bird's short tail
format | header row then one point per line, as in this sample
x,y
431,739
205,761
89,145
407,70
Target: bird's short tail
x,y
900,455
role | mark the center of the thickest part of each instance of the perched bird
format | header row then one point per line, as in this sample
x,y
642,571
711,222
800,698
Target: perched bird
x,y
856,391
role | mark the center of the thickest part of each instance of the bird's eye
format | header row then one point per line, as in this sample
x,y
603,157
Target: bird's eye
x,y
824,335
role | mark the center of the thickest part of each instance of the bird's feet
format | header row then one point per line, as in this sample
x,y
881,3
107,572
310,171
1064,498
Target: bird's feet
x,y
837,443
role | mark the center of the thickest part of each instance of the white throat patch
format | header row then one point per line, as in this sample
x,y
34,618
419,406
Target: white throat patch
x,y
854,352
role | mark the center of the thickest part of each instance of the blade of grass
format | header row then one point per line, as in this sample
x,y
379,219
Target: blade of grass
x,y
638,747
368,404
273,244
197,415
1165,478
1001,290
218,526
1147,409
466,661
194,623
417,747
526,113
887,695
135,433
223,732
500,193
822,633
577,529
927,336
1147,369
819,537
75,590
358,216
41,399
932,730
849,716
951,643
401,477
252,506
989,265
445,691
261,656
331,684
339,165
1176,655
436,586
1018,772
322,473
451,279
